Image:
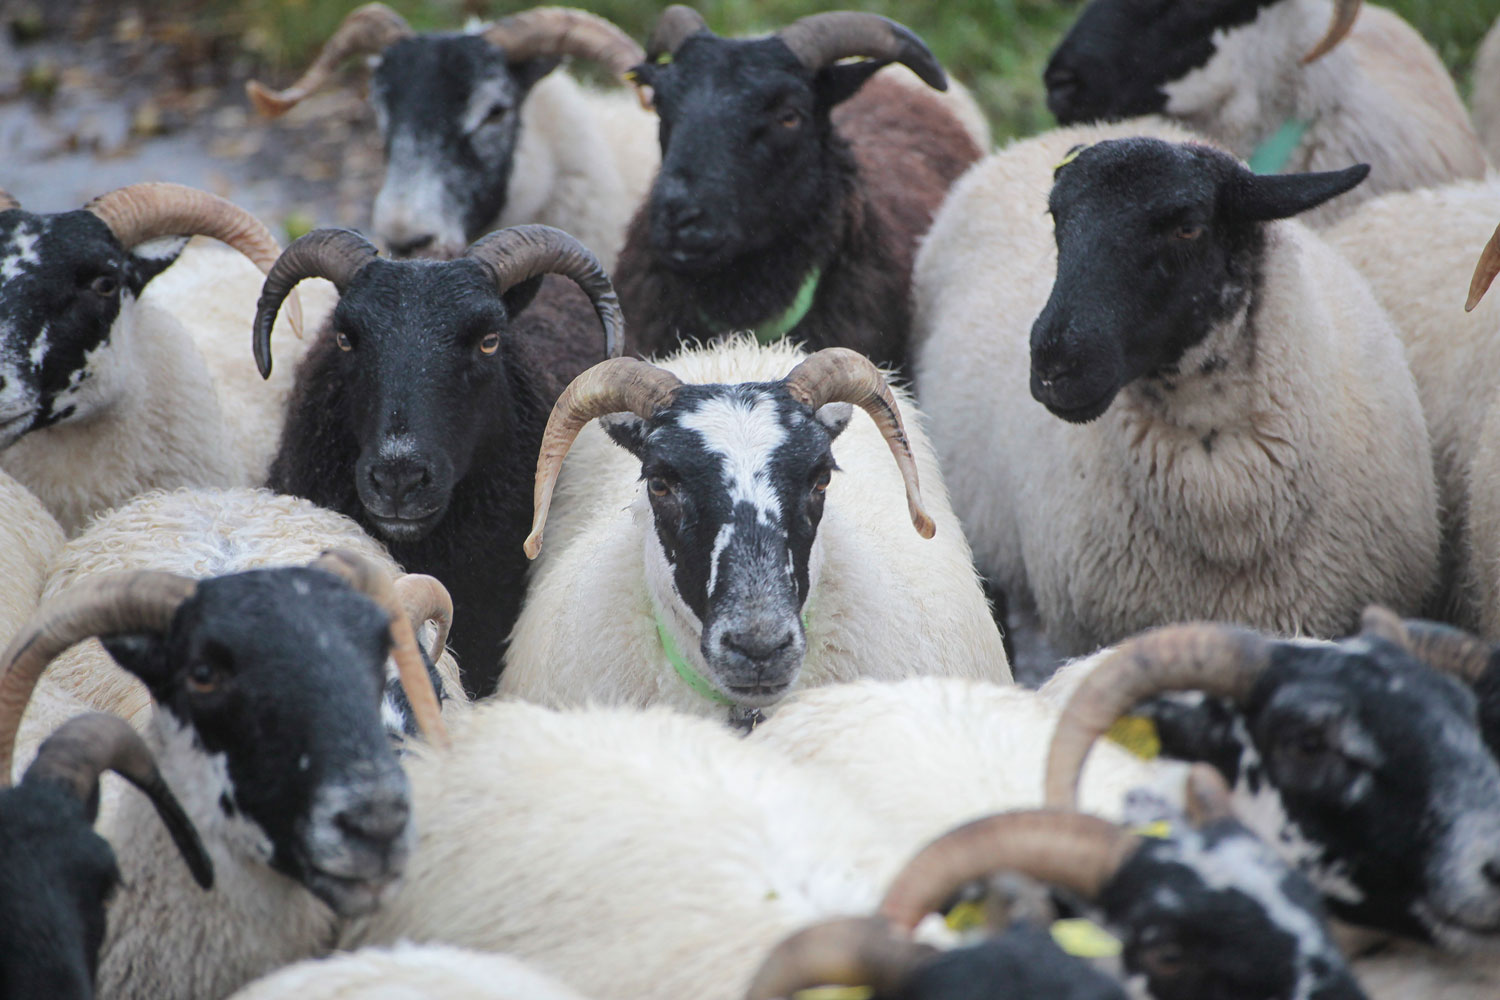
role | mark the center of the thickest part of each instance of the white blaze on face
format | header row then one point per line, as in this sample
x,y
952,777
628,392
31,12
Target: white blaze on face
x,y
19,254
745,437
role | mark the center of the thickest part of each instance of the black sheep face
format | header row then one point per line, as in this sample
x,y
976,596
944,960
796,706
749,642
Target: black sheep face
x,y
1370,770
747,147
67,291
55,879
275,677
1023,963
1158,244
736,477
1120,54
449,110
421,357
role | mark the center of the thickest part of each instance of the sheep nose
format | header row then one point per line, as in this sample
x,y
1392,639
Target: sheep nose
x,y
1491,871
379,817
1062,91
756,645
394,480
412,245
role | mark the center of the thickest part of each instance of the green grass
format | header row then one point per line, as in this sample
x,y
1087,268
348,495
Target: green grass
x,y
997,47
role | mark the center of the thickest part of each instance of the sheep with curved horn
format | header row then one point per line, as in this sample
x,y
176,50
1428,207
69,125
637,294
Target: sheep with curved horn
x,y
104,395
481,134
1289,85
700,529
421,420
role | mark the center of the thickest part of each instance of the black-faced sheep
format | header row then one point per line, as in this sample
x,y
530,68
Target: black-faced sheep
x,y
792,192
420,408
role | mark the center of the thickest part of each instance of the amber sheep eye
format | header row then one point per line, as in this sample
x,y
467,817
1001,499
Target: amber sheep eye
x,y
820,485
658,486
1188,232
490,344
342,339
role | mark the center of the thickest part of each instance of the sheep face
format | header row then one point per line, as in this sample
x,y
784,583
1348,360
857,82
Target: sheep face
x,y
748,151
1368,767
1120,55
424,385
449,111
735,476
1023,962
268,685
1213,912
1158,245
67,296
56,877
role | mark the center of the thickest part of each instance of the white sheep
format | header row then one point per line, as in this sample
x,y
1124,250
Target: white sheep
x,y
632,854
1275,472
877,599
1417,250
1486,95
1260,82
29,541
110,397
409,972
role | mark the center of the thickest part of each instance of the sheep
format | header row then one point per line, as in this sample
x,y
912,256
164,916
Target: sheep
x,y
1363,765
926,754
1203,910
792,192
710,564
419,409
29,539
1249,445
1486,97
197,534
409,972
480,134
1250,77
304,830
103,396
56,873
542,834
1450,353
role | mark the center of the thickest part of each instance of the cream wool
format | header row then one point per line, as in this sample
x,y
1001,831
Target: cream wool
x,y
409,972
1381,97
29,540
884,602
634,855
1417,250
1285,489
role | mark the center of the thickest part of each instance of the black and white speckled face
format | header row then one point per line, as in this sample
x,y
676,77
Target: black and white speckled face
x,y
67,288
449,109
736,476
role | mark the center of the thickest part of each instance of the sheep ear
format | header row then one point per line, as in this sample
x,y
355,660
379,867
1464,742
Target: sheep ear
x,y
518,297
835,417
1263,197
841,81
152,258
143,654
1196,728
528,71
626,430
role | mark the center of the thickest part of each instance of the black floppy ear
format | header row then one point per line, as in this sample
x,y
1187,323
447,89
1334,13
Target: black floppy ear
x,y
528,71
518,297
152,258
1263,197
143,654
837,83
627,430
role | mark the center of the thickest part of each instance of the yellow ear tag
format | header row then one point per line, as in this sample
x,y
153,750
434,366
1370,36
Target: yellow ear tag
x,y
1085,939
966,916
835,993
663,59
1137,734
1161,830
1069,157
631,76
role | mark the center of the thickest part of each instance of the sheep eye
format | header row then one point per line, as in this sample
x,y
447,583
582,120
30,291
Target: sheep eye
x,y
496,113
1310,743
202,678
658,486
789,118
820,484
342,339
490,344
105,285
1187,232
1163,961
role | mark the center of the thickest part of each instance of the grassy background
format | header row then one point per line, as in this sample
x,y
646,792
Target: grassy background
x,y
997,47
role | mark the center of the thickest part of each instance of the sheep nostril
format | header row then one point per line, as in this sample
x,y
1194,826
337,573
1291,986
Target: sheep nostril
x,y
1491,871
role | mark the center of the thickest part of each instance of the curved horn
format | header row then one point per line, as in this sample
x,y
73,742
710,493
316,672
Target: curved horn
x,y
1345,12
426,600
612,386
1446,649
7,201
366,31
83,747
147,211
819,40
1484,271
853,951
370,579
335,254
1220,660
1208,796
676,25
1067,849
839,375
138,601
566,31
522,252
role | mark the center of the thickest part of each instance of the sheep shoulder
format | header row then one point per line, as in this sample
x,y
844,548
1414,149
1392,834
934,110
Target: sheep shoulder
x,y
29,540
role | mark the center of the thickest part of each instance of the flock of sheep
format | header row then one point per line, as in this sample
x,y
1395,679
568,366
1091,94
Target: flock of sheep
x,y
525,611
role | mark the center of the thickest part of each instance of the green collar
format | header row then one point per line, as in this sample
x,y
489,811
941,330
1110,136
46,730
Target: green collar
x,y
774,329
685,670
1271,156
